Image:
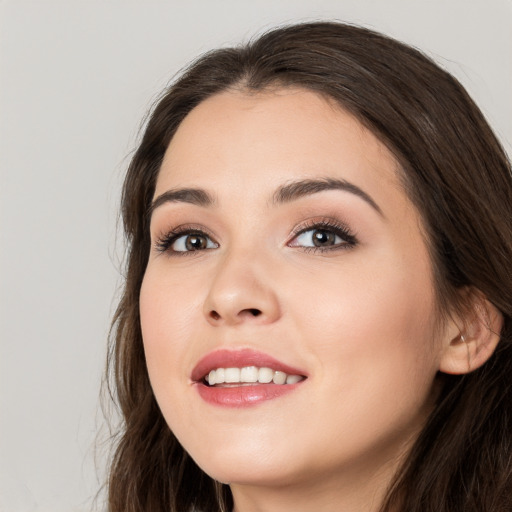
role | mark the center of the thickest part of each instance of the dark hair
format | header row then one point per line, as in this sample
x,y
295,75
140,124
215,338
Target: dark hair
x,y
459,178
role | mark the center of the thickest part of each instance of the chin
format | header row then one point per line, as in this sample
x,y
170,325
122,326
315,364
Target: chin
x,y
250,473
257,466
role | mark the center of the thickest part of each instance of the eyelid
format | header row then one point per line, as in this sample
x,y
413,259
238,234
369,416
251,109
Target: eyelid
x,y
330,222
327,223
163,241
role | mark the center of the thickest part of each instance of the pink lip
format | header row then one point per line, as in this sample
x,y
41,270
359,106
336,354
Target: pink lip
x,y
243,395
238,359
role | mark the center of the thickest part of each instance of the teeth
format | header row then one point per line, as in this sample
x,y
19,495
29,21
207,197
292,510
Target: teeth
x,y
279,378
232,375
250,374
265,375
293,379
220,376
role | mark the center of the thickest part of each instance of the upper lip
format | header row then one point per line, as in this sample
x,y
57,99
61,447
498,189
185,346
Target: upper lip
x,y
224,358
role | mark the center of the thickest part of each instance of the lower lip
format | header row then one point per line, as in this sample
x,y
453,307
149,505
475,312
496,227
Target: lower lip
x,y
243,396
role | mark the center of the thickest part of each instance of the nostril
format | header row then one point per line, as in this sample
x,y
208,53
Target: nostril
x,y
248,312
214,315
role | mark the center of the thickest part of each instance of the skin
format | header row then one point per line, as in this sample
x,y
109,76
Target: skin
x,y
359,319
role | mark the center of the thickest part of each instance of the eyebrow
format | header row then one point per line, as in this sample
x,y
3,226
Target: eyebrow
x,y
297,189
196,196
284,194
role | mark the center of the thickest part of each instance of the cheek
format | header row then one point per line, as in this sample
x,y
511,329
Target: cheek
x,y
169,304
373,326
165,320
164,324
375,350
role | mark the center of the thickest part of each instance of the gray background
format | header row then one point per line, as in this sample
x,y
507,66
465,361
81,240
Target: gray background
x,y
75,81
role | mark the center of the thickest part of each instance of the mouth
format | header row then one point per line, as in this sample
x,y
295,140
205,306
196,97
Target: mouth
x,y
249,376
243,377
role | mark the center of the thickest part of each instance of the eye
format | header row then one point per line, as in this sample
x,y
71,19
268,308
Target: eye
x,y
185,241
318,238
192,242
323,237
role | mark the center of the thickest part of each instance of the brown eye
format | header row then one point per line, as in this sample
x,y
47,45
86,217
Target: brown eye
x,y
195,242
323,238
190,242
319,237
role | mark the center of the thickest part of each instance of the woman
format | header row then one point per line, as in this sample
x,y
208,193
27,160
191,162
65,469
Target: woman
x,y
318,300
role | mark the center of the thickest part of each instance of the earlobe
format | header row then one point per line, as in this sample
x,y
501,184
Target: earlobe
x,y
476,340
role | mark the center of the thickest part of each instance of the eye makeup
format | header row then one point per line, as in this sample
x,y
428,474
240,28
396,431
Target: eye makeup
x,y
321,234
327,234
199,239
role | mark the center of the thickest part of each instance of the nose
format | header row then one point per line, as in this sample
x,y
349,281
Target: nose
x,y
241,291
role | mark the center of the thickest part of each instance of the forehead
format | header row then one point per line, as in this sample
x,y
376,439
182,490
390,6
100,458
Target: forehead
x,y
258,141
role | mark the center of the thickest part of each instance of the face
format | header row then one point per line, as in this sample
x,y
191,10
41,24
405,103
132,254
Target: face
x,y
283,242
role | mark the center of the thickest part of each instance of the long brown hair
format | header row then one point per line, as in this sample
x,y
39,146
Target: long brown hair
x,y
459,178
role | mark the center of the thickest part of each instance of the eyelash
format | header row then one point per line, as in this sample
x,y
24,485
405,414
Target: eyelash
x,y
164,243
332,226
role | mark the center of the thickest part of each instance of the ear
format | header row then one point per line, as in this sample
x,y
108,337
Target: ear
x,y
475,338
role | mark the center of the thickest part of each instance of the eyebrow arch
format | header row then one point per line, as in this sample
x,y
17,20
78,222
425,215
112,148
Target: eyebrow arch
x,y
195,196
284,194
297,189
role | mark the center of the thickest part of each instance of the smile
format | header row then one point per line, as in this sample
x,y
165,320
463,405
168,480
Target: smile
x,y
229,377
242,378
